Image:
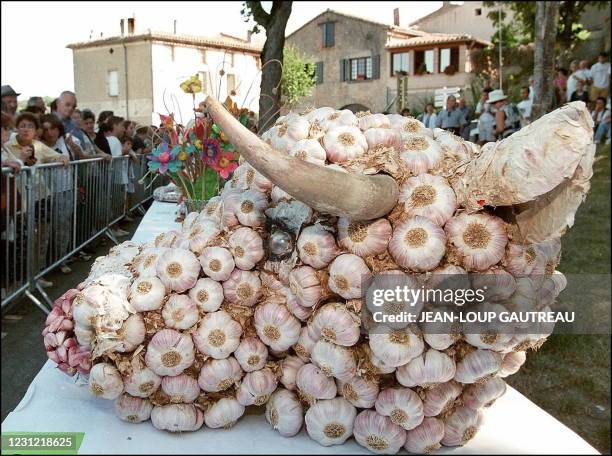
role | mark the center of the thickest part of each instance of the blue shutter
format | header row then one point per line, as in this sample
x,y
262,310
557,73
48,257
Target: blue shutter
x,y
329,35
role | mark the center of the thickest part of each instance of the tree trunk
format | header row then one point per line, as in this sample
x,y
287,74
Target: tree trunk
x,y
544,57
271,61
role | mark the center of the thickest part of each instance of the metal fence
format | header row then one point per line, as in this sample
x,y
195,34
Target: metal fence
x,y
51,212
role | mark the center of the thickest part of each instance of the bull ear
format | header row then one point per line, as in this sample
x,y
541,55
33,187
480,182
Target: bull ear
x,y
357,197
543,170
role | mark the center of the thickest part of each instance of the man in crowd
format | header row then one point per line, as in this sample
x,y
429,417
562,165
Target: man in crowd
x,y
600,77
572,82
467,114
9,98
38,102
451,118
524,107
66,104
405,112
601,119
583,73
482,103
580,94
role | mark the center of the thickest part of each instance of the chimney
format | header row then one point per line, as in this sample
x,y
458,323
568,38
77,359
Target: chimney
x,y
122,25
175,21
131,24
396,17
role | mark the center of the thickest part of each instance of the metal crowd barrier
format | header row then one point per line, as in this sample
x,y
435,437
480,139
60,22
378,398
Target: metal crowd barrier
x,y
51,212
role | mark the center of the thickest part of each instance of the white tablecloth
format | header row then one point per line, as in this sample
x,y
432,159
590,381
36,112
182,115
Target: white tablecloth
x,y
54,402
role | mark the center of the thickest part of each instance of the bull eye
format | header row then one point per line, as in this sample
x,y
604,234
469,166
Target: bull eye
x,y
280,243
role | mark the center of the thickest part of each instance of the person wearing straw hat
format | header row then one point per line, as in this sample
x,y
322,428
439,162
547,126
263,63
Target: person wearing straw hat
x,y
505,118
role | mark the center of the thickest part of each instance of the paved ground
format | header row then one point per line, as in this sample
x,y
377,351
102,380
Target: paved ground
x,y
23,353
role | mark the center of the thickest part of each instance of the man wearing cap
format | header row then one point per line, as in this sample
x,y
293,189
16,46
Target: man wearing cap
x,y
9,98
451,118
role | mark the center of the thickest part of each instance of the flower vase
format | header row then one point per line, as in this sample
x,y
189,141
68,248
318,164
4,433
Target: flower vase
x,y
194,205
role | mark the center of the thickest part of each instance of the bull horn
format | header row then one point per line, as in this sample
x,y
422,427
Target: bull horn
x,y
542,171
356,197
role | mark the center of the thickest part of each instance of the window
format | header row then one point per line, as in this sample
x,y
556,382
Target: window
x,y
361,69
231,83
424,61
328,34
205,81
400,63
230,59
449,56
113,83
478,11
204,56
319,73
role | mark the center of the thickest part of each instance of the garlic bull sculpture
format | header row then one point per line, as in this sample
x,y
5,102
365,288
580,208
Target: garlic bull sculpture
x,y
259,300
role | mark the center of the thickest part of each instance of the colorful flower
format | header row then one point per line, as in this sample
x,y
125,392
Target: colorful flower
x,y
224,165
210,151
162,159
192,85
167,121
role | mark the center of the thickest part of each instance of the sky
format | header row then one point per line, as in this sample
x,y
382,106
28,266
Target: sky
x,y
35,60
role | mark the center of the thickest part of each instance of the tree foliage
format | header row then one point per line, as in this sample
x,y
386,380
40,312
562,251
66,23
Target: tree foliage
x,y
298,76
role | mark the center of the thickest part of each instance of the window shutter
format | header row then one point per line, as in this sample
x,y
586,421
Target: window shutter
x,y
332,34
454,58
343,75
319,72
376,67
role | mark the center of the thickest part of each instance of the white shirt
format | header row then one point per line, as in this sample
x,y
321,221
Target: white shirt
x,y
600,72
524,108
572,83
429,120
583,74
121,165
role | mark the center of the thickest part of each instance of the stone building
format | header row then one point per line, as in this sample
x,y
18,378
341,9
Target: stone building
x,y
358,61
138,75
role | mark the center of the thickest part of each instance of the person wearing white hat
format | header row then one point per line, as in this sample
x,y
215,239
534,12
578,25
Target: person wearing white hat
x,y
505,118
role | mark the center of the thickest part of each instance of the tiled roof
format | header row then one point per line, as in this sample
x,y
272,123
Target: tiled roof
x,y
193,40
435,38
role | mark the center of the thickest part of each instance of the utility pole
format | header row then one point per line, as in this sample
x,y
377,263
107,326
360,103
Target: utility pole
x,y
499,36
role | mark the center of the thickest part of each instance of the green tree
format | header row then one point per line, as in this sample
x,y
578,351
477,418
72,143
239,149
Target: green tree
x,y
298,76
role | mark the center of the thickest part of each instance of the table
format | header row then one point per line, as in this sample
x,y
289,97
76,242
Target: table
x,y
55,402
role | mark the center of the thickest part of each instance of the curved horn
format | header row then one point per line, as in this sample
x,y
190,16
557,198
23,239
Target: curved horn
x,y
357,197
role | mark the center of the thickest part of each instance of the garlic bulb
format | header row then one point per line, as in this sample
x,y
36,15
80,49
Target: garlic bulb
x,y
84,336
177,417
212,211
426,437
147,293
359,392
309,150
338,118
250,207
278,138
441,398
305,286
440,341
496,284
133,409
166,239
377,433
402,405
131,334
105,381
251,179
276,327
330,422
284,413
247,247
420,152
519,259
251,354
289,368
334,360
142,382
181,388
559,280
343,143
334,323
305,343
346,274
511,363
428,196
317,246
180,312
178,269
217,263
223,414
146,262
189,220
417,244
300,312
312,384
395,347
231,201
219,374
256,387
478,365
199,235
483,394
409,125
364,238
243,287
218,335
428,369
488,335
278,194
367,120
461,426
207,294
480,239
169,352
382,137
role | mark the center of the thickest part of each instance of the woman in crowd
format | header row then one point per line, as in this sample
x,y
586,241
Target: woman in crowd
x,y
429,116
601,119
560,84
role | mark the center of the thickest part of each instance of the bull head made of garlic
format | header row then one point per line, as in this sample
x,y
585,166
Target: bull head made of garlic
x,y
259,299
